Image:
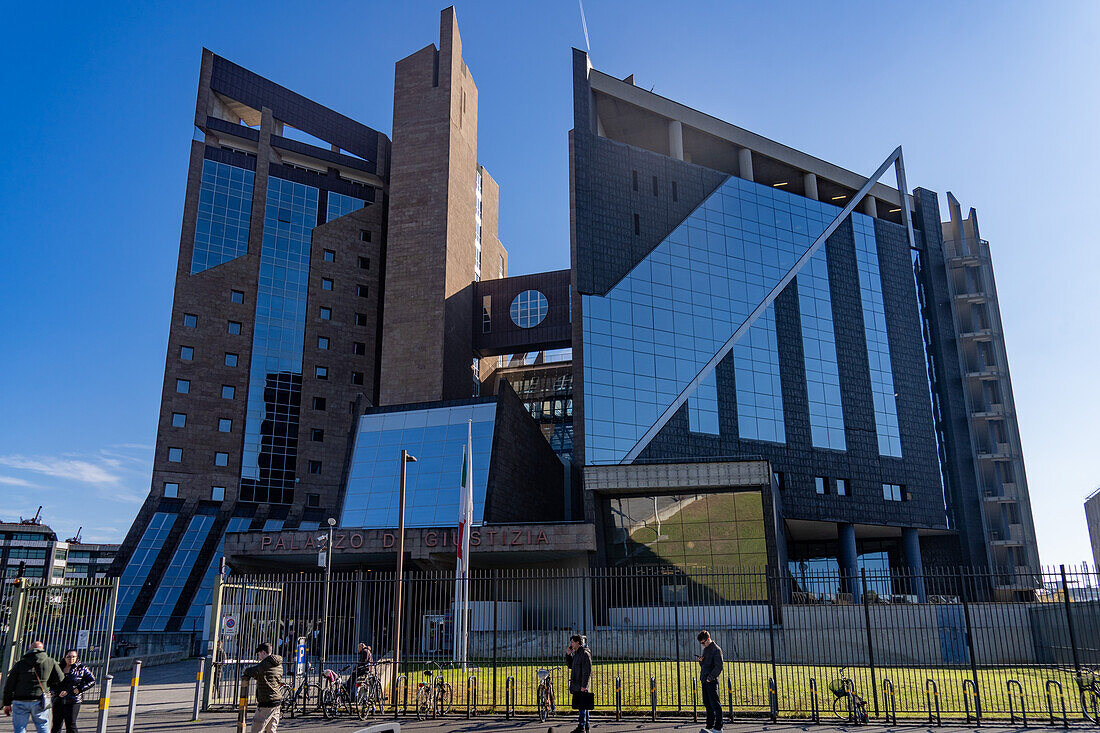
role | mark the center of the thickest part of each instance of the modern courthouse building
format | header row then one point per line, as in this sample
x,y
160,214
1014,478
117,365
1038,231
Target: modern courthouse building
x,y
756,358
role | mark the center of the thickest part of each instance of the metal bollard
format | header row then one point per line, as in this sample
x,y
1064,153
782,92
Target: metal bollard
x,y
134,681
814,712
471,699
1050,703
509,700
618,698
1023,703
729,688
242,706
198,690
694,700
773,699
970,690
931,690
653,698
104,703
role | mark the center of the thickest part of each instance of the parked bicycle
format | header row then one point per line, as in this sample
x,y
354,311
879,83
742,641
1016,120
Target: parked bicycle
x,y
434,697
368,694
1088,685
545,694
847,705
341,697
306,698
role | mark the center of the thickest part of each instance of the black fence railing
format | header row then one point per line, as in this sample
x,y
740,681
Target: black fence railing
x,y
953,643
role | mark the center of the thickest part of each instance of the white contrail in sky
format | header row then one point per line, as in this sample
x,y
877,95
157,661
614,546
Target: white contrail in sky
x,y
584,24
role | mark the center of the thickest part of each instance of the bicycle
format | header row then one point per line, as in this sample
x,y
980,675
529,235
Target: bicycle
x,y
545,694
1088,685
307,693
368,695
336,697
847,705
434,696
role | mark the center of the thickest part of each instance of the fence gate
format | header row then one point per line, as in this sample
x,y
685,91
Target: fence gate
x,y
74,614
244,614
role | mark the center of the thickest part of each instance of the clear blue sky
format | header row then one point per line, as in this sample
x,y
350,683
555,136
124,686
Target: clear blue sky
x,y
996,102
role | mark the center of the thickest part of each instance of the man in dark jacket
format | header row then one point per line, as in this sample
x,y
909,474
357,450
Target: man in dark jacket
x,y
710,666
269,696
579,661
29,681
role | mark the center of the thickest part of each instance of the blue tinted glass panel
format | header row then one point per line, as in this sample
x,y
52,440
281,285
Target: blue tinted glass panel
x,y
436,437
528,309
275,376
339,204
759,390
703,406
655,330
194,619
225,211
878,343
137,569
819,347
174,578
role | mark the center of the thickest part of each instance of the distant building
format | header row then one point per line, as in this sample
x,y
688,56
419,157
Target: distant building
x,y
30,549
1092,518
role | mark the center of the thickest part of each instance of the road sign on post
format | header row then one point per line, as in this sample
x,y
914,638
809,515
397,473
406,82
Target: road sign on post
x,y
82,639
300,659
229,627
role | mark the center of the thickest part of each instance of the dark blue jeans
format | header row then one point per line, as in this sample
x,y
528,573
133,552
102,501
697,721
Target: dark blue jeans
x,y
713,704
583,719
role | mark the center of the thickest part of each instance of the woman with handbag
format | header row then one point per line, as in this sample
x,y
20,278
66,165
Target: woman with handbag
x,y
67,696
579,660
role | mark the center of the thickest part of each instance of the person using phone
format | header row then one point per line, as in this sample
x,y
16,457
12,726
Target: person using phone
x,y
578,658
710,667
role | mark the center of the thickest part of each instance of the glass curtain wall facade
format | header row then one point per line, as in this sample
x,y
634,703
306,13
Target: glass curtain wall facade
x,y
174,578
137,570
224,215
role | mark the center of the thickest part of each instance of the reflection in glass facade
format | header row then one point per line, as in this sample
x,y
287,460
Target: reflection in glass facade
x,y
436,437
528,309
225,211
819,347
275,379
759,391
703,406
339,205
878,343
655,330
137,569
175,575
194,619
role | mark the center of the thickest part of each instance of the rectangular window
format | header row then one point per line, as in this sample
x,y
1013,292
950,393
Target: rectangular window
x,y
821,484
313,500
321,372
357,377
326,284
318,403
315,468
225,425
364,235
228,391
675,197
360,319
234,328
359,348
190,320
230,360
183,386
362,291
893,492
842,487
329,256
364,263
317,435
326,313
654,185
221,459
179,420
780,480
236,296
217,493
187,353
175,455
634,180
637,225
322,342
501,269
171,491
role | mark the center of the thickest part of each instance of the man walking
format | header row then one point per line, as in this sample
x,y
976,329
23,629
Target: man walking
x,y
269,700
710,667
28,689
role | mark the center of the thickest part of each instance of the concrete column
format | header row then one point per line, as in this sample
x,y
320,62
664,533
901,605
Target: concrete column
x,y
744,163
809,183
869,206
676,139
849,566
910,545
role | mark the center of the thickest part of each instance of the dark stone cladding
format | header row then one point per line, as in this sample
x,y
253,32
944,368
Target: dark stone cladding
x,y
242,85
505,337
229,157
329,182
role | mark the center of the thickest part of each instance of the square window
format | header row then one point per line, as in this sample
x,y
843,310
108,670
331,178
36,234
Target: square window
x,y
187,353
171,491
217,493
315,467
357,377
228,391
179,420
237,296
183,386
326,313
230,360
318,403
362,291
360,319
221,459
322,372
313,500
175,455
317,435
326,283
841,487
364,236
821,485
329,256
364,263
322,342
359,348
225,425
190,320
234,328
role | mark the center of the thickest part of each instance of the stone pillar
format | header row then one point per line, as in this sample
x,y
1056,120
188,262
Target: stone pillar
x,y
744,163
869,206
910,545
809,184
846,557
676,139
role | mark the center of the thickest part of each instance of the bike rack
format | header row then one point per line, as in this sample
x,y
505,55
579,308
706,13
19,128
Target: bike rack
x,y
509,697
729,693
889,701
471,682
815,714
1023,703
694,700
931,690
402,678
970,689
618,698
653,698
773,699
1050,703
850,687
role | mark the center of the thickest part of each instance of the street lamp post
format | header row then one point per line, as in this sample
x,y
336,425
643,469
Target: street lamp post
x,y
328,590
405,458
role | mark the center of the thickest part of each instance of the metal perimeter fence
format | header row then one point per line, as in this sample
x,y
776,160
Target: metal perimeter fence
x,y
942,644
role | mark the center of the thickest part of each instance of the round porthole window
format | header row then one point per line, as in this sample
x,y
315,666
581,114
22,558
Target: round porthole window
x,y
529,309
